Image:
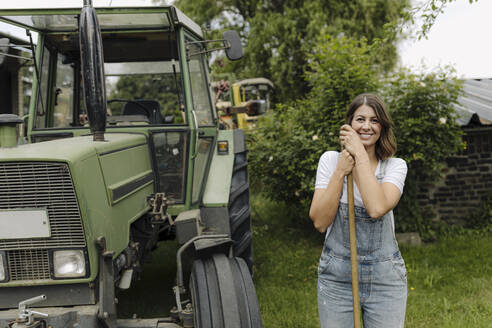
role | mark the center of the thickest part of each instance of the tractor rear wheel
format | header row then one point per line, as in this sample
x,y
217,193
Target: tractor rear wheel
x,y
223,294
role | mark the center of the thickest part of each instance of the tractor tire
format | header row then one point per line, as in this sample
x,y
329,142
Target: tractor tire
x,y
223,294
239,210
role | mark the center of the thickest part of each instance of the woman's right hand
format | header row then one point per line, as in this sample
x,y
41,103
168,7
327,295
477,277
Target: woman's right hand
x,y
345,162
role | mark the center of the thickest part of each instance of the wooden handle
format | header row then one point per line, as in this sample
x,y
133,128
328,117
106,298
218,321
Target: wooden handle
x,y
353,250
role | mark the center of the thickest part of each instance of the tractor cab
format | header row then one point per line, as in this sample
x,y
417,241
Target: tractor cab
x,y
156,83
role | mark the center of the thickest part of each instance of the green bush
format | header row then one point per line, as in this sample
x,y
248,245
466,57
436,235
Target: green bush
x,y
287,145
427,132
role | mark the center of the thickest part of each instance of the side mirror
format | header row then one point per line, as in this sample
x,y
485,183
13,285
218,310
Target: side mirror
x,y
4,49
234,49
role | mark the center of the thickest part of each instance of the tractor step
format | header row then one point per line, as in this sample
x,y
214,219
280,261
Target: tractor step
x,y
147,323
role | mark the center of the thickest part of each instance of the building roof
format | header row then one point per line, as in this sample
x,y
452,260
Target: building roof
x,y
475,105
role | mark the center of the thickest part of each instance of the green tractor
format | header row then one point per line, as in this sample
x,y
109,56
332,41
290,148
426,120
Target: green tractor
x,y
123,150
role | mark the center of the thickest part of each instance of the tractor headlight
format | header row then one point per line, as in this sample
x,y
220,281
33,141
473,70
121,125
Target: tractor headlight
x,y
69,263
3,267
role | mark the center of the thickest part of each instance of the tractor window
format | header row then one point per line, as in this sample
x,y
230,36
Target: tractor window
x,y
42,97
151,89
199,85
55,98
201,162
63,93
143,81
170,150
143,78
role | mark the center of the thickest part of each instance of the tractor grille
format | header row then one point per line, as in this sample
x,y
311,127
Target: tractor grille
x,y
43,185
29,264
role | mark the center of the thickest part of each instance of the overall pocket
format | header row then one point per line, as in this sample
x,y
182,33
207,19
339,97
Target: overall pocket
x,y
335,269
399,267
369,234
324,260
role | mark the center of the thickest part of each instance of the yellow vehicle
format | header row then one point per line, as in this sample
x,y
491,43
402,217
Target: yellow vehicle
x,y
242,105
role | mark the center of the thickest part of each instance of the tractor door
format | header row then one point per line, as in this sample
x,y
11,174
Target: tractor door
x,y
204,119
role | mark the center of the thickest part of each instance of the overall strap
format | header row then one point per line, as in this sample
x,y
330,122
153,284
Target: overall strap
x,y
382,169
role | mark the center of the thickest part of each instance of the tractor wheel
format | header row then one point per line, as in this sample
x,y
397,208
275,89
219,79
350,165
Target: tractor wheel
x,y
223,294
239,211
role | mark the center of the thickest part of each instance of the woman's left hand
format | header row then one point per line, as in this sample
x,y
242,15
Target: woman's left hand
x,y
350,140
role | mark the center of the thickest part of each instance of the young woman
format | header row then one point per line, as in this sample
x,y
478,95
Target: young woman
x,y
368,146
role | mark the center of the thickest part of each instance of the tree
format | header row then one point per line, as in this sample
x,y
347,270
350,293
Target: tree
x,y
427,12
280,35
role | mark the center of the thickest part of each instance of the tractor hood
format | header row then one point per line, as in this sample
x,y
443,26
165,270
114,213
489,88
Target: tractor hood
x,y
104,189
71,150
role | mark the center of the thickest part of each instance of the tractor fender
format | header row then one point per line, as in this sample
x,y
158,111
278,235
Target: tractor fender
x,y
217,189
226,202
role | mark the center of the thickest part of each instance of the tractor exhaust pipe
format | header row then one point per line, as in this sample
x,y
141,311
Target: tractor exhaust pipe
x,y
92,67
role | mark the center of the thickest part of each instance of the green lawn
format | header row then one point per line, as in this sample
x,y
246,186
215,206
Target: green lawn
x,y
152,295
450,282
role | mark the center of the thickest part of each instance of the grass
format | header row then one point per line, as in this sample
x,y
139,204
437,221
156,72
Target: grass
x,y
450,282
151,296
286,255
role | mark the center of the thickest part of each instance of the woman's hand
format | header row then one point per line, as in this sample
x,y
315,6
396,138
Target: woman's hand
x,y
350,140
345,162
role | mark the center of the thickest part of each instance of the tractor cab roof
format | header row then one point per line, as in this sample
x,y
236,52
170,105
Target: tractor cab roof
x,y
65,20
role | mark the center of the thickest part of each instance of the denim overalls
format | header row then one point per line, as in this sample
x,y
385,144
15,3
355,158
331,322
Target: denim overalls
x,y
382,274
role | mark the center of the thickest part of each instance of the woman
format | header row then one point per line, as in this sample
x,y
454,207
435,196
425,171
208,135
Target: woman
x,y
368,143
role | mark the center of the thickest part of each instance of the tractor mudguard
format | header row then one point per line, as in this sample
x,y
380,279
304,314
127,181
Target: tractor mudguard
x,y
227,192
221,169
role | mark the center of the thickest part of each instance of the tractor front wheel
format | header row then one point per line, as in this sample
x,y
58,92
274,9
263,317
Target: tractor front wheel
x,y
223,294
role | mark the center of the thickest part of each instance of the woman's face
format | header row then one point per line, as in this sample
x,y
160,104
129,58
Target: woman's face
x,y
366,124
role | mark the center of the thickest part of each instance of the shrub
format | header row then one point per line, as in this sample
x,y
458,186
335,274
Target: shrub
x,y
427,132
287,145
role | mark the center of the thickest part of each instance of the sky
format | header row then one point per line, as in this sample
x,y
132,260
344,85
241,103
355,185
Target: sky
x,y
457,37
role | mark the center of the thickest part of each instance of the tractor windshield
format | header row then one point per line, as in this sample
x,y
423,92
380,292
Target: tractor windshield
x,y
143,80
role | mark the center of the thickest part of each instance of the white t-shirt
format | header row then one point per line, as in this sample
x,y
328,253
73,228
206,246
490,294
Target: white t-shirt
x,y
396,171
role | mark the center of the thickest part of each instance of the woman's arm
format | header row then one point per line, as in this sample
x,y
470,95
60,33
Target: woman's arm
x,y
378,198
325,201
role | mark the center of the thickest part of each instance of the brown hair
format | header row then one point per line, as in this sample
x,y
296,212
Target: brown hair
x,y
386,144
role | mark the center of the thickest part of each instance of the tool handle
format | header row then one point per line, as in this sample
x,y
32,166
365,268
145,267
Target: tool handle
x,y
353,250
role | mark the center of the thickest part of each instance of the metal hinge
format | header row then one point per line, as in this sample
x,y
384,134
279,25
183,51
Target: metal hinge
x,y
159,203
